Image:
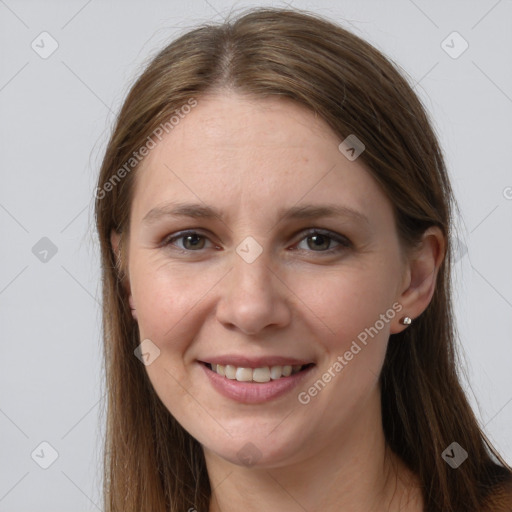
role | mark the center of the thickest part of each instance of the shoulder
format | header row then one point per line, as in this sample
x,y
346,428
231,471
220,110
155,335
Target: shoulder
x,y
500,499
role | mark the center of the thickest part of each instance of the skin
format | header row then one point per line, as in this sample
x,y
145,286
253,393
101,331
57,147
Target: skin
x,y
252,157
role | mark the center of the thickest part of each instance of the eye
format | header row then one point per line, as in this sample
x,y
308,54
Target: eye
x,y
317,240
322,239
192,241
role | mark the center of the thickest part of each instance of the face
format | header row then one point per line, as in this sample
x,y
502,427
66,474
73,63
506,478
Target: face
x,y
265,282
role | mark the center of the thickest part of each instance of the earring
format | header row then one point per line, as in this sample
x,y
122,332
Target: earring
x,y
406,320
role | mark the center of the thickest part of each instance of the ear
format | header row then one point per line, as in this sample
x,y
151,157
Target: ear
x,y
420,276
115,241
115,238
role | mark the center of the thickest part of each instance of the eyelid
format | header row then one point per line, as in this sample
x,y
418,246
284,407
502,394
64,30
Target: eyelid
x,y
182,234
327,232
340,239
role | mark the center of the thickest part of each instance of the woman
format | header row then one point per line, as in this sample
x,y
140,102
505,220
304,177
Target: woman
x,y
274,215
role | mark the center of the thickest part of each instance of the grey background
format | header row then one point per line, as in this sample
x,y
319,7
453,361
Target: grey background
x,y
56,115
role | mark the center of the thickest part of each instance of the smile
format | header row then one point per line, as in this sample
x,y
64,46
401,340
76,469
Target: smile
x,y
255,385
261,375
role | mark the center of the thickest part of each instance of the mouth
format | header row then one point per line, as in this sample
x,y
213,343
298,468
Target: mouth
x,y
255,382
260,375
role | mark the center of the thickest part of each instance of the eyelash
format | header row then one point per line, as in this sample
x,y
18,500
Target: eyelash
x,y
344,243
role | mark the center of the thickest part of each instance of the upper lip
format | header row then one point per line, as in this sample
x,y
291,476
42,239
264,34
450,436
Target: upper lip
x,y
255,362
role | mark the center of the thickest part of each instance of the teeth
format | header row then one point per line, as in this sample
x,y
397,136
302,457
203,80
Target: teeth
x,y
276,372
261,374
230,371
264,374
243,374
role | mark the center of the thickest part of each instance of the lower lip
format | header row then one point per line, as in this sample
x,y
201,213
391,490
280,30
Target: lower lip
x,y
252,392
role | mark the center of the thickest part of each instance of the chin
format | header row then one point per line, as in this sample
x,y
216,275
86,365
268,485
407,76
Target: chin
x,y
257,451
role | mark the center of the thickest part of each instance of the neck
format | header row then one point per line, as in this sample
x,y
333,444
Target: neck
x,y
355,472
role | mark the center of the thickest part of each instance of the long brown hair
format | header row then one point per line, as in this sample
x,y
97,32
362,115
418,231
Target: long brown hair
x,y
151,463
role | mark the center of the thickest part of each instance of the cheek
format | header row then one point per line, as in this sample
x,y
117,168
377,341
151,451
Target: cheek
x,y
345,305
356,315
351,323
166,303
166,299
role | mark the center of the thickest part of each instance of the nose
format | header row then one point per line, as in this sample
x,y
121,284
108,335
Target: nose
x,y
253,297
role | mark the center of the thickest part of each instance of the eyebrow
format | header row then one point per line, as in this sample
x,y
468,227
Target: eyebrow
x,y
202,211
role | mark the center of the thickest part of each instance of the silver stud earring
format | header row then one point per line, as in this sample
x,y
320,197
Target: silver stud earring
x,y
406,320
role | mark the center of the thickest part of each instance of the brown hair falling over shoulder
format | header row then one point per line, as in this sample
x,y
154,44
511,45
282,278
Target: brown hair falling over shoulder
x,y
151,462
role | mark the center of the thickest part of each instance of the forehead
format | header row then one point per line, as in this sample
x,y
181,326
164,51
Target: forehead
x,y
229,123
232,149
